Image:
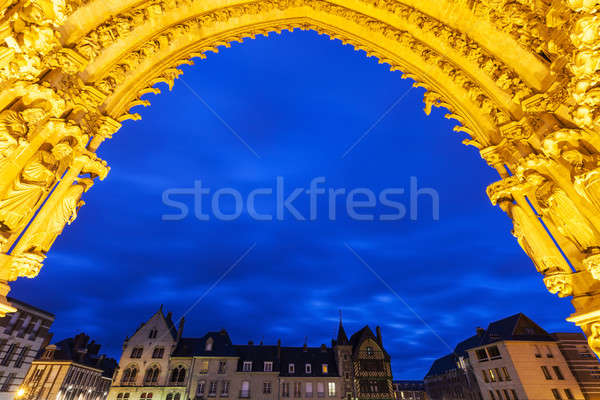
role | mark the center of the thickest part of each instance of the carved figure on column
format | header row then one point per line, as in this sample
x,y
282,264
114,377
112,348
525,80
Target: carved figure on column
x,y
35,180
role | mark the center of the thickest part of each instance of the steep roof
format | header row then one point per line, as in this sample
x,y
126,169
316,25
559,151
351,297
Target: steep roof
x,y
167,320
443,365
190,347
342,339
360,336
316,356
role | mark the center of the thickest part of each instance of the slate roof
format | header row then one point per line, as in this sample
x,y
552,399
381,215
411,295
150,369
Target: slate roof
x,y
316,356
409,385
190,347
78,349
515,327
27,305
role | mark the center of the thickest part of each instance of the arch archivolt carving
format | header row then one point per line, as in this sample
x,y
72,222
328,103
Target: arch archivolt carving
x,y
521,77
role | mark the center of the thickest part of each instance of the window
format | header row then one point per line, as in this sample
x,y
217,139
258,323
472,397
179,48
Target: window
x,y
158,352
268,366
177,396
493,377
494,353
492,396
514,393
123,396
481,355
308,389
558,373
137,352
291,368
506,396
247,367
498,375
549,352
285,389
308,368
201,387
569,394
152,335
178,374
297,389
369,351
320,389
212,388
22,355
225,389
267,387
506,374
556,394
324,368
546,373
485,376
499,394
209,344
222,367
331,389
8,382
245,390
146,396
537,352
151,375
9,354
129,376
203,367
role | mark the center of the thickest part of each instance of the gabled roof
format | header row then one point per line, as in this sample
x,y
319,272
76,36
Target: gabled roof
x,y
515,327
443,365
360,336
195,347
167,320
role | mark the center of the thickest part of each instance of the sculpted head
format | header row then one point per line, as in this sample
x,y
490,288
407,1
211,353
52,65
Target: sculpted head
x,y
61,150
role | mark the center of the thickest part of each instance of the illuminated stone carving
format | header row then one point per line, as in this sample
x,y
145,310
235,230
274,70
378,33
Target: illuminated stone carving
x,y
522,78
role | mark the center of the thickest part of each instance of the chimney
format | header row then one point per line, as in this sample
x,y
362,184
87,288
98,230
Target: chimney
x,y
278,348
169,315
180,329
480,331
378,330
323,347
250,342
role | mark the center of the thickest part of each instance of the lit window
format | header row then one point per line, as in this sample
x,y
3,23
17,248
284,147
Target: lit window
x,y
324,368
247,366
369,351
492,375
268,366
331,389
291,368
209,344
203,367
308,368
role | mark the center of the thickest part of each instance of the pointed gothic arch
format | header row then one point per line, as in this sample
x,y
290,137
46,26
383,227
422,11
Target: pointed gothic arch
x,y
520,76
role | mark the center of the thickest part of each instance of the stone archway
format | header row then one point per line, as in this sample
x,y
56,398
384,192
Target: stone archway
x,y
520,76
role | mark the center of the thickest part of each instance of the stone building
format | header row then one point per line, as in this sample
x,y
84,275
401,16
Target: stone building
x,y
158,363
410,390
22,335
582,362
512,359
71,369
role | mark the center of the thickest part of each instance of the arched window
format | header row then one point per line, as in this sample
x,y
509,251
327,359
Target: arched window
x,y
152,374
129,375
178,374
177,396
170,396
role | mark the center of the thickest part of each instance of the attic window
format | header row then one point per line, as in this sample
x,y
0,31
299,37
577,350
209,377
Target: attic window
x,y
268,367
291,368
308,369
247,366
324,368
369,351
152,334
209,345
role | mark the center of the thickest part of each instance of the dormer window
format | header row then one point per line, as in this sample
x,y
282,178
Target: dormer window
x,y
291,368
369,351
247,366
153,333
209,344
308,369
268,367
324,369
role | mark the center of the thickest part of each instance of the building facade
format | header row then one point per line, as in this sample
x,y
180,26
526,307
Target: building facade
x,y
71,369
512,359
158,363
22,335
582,362
410,390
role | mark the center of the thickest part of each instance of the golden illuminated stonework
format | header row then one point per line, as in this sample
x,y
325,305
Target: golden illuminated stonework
x,y
522,77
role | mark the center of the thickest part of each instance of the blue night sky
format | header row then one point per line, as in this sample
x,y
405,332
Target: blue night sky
x,y
300,101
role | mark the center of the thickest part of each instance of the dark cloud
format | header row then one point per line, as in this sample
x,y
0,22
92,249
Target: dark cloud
x,y
300,101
